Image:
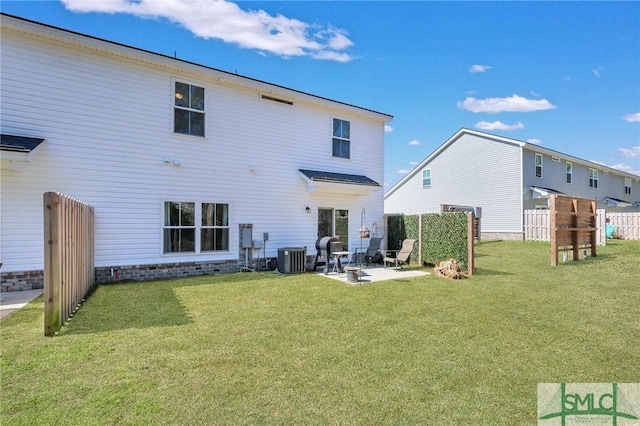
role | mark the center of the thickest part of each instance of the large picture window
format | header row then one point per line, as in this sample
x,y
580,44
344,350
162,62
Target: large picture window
x,y
188,111
341,138
195,227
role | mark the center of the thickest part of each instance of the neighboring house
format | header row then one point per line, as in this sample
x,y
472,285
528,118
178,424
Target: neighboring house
x,y
176,158
504,177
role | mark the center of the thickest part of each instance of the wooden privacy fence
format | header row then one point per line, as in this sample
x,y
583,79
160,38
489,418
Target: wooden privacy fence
x,y
68,257
573,226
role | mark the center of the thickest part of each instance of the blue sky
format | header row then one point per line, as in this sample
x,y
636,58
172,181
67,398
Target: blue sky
x,y
565,75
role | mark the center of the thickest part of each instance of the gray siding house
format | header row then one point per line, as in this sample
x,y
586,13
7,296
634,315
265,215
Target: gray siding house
x,y
504,177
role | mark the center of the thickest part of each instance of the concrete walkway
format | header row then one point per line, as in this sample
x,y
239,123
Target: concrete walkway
x,y
11,301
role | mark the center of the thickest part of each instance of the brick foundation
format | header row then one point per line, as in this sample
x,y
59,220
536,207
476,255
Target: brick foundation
x,y
28,280
510,236
19,281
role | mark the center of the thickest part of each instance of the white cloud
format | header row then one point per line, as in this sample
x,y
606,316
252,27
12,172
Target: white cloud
x,y
413,163
498,125
634,152
626,168
403,171
632,118
534,141
514,103
596,71
479,68
388,129
414,143
226,21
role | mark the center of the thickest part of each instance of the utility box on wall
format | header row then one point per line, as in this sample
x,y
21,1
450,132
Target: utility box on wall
x,y
246,236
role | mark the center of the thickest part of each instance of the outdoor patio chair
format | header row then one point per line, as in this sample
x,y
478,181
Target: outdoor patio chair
x,y
369,254
402,256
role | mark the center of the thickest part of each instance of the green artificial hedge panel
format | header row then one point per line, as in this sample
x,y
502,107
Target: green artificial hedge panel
x,y
401,227
445,235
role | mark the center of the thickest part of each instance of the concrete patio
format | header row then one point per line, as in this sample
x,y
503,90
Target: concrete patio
x,y
374,274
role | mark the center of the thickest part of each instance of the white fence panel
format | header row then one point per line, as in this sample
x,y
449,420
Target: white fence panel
x,y
627,225
536,225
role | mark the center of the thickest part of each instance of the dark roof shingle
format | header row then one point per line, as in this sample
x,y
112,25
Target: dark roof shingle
x,y
19,143
320,176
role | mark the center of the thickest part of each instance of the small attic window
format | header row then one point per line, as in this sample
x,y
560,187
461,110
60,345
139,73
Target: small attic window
x,y
271,98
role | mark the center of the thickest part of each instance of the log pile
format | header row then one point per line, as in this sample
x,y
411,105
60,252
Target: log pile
x,y
449,269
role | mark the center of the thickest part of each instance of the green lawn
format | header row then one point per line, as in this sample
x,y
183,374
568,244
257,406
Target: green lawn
x,y
263,348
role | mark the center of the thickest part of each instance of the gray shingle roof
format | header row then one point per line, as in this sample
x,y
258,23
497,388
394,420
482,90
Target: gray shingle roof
x,y
19,143
320,176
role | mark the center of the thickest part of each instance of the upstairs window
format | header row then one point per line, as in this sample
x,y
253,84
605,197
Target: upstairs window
x,y
426,178
569,172
341,138
627,186
188,111
593,178
539,165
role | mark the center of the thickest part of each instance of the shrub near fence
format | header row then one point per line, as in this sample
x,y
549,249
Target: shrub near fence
x,y
68,257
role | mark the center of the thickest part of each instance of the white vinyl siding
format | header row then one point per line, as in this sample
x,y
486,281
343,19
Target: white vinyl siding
x,y
109,155
472,171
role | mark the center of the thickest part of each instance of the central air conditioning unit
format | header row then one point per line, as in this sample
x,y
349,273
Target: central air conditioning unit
x,y
292,260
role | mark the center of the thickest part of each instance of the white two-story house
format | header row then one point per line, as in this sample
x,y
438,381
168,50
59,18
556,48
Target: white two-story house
x,y
504,177
177,158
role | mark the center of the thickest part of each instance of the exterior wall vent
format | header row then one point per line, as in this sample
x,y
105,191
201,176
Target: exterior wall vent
x,y
555,159
271,98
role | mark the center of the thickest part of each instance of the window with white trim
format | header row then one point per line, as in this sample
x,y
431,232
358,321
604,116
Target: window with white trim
x,y
195,227
627,186
188,110
539,165
426,178
593,178
341,146
569,172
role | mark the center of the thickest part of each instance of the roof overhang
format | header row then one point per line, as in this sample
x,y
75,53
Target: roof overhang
x,y
541,192
338,183
18,149
616,202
